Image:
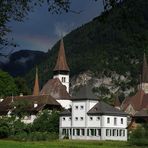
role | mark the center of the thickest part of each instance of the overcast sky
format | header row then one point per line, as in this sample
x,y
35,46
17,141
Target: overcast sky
x,y
41,30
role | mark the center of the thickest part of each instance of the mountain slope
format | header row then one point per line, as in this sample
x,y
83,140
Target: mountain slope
x,y
20,62
114,41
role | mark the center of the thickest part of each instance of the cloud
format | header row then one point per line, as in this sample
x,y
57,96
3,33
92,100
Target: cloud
x,y
62,28
4,59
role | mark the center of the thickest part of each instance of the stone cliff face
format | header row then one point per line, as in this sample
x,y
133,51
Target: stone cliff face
x,y
106,87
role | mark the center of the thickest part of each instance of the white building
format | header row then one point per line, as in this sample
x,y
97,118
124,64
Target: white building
x,y
92,119
58,87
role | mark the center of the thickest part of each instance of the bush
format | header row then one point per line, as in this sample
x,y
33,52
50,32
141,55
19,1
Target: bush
x,y
35,136
139,136
4,128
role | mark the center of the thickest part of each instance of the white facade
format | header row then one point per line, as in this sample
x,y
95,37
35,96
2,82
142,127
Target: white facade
x,y
145,87
80,125
64,80
65,103
29,119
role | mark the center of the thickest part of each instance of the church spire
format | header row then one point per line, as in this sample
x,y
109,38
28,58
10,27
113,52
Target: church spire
x,y
145,70
36,84
61,64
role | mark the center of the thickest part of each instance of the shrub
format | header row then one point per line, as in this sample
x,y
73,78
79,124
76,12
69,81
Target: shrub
x,y
139,136
35,136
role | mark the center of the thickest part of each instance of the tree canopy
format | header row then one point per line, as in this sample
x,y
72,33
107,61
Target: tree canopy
x,y
7,84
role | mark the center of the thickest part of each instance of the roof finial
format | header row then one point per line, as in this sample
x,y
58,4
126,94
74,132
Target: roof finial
x,y
36,84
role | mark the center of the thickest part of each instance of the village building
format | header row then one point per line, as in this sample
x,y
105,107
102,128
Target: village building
x,y
53,95
84,117
137,105
92,119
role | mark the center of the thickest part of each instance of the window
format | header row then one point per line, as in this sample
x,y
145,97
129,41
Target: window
x,y
81,118
64,119
121,120
73,132
120,134
76,107
123,132
76,118
117,132
91,118
82,132
87,132
98,118
107,132
81,107
63,79
108,120
99,132
93,132
115,121
64,132
78,132
69,118
114,132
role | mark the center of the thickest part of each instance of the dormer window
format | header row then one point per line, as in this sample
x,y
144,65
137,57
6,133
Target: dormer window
x,y
76,107
115,121
81,107
108,120
121,120
76,118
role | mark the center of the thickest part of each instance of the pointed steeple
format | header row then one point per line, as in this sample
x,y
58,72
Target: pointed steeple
x,y
61,64
36,84
145,70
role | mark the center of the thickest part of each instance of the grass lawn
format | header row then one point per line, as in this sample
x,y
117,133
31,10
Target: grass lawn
x,y
66,144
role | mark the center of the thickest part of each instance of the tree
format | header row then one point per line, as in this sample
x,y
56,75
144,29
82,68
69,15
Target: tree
x,y
47,121
18,9
7,84
20,108
22,86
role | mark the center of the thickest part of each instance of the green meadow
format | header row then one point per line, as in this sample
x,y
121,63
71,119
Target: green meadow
x,y
67,144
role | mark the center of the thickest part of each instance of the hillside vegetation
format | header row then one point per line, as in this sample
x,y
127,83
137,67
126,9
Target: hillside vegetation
x,y
114,41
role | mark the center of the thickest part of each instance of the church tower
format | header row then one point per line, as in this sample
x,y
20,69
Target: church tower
x,y
61,69
144,83
36,84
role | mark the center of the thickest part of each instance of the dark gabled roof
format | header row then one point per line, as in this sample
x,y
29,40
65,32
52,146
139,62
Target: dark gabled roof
x,y
61,64
56,89
101,108
84,93
66,112
138,101
142,113
42,101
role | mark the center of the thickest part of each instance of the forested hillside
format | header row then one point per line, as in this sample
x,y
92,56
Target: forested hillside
x,y
114,41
